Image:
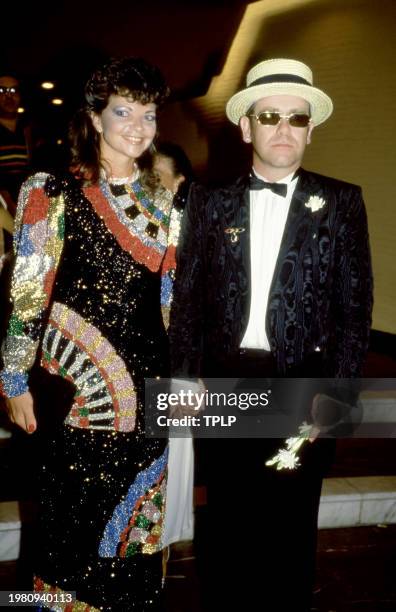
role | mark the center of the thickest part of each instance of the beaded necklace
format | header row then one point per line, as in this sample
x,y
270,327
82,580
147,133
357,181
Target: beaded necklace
x,y
143,203
149,219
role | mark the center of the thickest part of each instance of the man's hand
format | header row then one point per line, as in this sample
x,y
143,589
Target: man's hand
x,y
328,413
20,411
196,401
315,430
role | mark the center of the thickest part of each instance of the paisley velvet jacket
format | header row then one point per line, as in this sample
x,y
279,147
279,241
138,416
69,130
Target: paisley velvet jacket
x,y
320,299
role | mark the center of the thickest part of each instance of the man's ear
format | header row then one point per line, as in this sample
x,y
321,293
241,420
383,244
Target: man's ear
x,y
244,124
96,122
309,133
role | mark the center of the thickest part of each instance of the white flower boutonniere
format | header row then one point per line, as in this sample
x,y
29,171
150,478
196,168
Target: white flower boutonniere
x,y
315,203
287,458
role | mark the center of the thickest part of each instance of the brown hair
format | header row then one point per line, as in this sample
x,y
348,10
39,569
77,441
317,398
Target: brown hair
x,y
131,77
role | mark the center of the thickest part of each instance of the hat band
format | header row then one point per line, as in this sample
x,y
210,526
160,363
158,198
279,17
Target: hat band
x,y
280,78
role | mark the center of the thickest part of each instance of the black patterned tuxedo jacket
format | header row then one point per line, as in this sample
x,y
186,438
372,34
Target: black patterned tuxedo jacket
x,y
320,299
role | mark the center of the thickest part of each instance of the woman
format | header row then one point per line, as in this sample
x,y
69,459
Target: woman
x,y
92,248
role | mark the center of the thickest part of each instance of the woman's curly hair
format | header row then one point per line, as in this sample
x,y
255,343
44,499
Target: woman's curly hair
x,y
130,77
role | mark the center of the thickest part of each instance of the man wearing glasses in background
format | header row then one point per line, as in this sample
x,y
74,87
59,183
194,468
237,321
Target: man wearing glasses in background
x,y
14,142
273,279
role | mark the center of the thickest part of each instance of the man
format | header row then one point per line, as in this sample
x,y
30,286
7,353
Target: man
x,y
14,142
273,279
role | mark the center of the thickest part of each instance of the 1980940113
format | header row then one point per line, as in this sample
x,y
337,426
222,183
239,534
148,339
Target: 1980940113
x,y
31,598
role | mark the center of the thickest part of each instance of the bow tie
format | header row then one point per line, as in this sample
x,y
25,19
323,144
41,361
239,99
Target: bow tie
x,y
278,188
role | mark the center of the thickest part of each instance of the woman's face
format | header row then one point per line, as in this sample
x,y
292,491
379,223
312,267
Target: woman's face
x,y
126,129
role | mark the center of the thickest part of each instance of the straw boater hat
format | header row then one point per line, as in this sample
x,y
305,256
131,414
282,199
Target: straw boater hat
x,y
276,77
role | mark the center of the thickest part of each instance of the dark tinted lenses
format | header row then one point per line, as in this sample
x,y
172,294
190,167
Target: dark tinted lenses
x,y
299,120
268,118
273,118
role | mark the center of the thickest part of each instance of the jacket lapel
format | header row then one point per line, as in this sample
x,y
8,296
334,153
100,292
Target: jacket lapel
x,y
245,274
299,216
298,225
237,239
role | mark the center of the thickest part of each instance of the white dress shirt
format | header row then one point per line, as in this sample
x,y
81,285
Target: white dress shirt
x,y
268,214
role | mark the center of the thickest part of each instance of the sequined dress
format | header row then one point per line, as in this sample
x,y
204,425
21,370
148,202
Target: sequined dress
x,y
91,266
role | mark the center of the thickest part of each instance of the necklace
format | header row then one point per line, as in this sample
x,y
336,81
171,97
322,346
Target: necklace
x,y
123,180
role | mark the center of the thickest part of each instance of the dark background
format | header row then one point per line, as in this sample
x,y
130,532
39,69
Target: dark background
x,y
64,41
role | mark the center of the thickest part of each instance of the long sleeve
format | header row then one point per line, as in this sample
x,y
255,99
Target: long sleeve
x,y
187,313
353,294
38,242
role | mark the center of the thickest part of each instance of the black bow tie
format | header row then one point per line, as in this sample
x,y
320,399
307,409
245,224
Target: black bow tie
x,y
278,188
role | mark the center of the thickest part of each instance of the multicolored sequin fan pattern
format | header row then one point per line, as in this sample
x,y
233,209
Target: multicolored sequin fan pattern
x,y
136,524
105,394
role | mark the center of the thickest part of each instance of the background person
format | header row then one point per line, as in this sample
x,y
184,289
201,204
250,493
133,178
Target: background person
x,y
15,142
174,170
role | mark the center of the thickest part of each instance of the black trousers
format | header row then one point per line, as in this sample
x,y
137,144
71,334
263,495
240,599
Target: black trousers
x,y
259,547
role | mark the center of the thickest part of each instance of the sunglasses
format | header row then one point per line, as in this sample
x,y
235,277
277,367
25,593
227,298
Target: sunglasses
x,y
300,120
9,90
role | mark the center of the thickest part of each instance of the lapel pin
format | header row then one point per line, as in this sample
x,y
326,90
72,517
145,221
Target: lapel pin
x,y
234,231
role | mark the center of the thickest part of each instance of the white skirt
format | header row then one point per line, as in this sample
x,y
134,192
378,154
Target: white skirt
x,y
179,516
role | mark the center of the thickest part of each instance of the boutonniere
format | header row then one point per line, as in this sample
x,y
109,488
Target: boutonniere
x,y
287,458
315,203
234,231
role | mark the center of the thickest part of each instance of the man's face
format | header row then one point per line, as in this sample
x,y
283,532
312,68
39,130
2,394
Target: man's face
x,y
10,98
277,150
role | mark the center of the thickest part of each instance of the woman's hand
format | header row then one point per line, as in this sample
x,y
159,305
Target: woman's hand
x,y
20,412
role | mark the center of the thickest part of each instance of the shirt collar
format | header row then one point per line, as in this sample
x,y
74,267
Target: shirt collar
x,y
286,179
